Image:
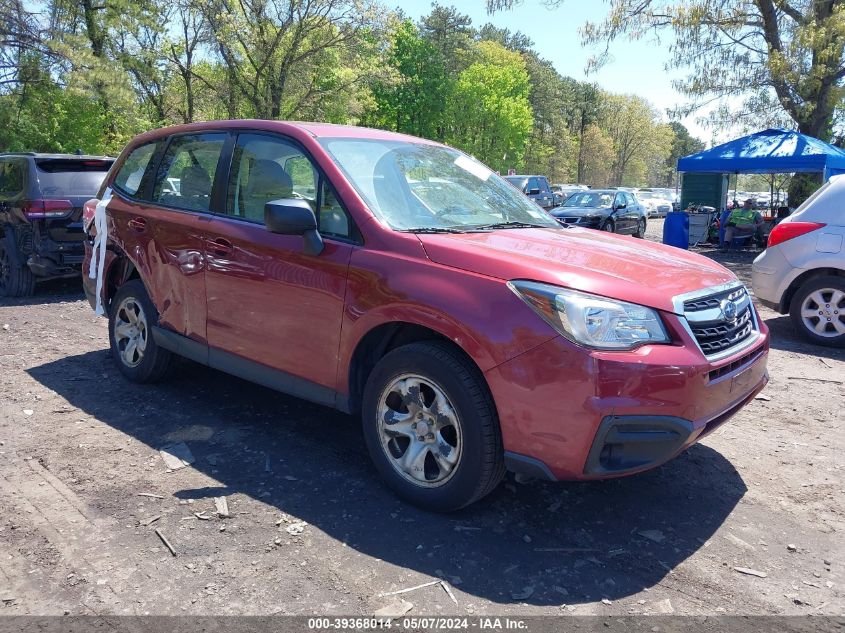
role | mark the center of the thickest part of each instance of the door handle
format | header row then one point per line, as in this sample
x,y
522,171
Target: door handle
x,y
138,224
220,246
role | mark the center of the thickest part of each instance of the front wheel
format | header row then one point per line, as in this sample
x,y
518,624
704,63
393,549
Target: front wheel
x,y
131,319
431,427
818,311
609,226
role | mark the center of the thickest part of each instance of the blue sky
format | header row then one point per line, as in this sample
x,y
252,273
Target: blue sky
x,y
635,68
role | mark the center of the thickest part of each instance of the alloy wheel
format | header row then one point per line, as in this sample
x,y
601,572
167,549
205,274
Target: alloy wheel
x,y
130,331
420,430
823,312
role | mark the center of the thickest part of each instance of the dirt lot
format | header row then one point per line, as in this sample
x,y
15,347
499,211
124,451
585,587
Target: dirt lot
x,y
78,444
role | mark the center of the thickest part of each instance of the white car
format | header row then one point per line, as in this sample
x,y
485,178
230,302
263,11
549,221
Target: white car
x,y
802,272
656,205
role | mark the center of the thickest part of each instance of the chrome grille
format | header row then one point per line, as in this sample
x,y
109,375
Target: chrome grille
x,y
570,220
707,303
714,332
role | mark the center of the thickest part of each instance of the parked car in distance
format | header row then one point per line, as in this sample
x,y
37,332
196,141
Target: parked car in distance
x,y
403,281
802,270
41,198
604,209
537,189
656,205
563,191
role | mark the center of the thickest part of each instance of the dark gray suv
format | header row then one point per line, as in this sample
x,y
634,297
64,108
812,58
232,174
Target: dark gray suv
x,y
41,198
537,188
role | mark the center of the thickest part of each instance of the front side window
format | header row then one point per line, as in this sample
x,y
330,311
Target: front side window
x,y
186,173
128,179
266,169
417,186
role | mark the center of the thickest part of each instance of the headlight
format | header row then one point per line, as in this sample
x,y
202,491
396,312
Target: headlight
x,y
591,320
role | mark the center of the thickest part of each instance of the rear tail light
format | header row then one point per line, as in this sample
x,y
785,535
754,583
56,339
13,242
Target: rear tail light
x,y
88,213
47,209
789,230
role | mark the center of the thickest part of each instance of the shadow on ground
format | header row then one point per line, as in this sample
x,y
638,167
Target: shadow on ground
x,y
784,337
570,543
51,291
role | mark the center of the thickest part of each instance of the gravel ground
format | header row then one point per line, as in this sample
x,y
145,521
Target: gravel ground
x,y
312,531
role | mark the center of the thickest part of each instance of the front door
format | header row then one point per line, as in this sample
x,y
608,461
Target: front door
x,y
268,301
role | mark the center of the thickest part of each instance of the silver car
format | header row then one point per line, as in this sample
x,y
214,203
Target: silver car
x,y
802,272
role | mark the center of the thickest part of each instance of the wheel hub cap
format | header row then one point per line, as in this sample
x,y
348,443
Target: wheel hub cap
x,y
823,312
420,431
130,332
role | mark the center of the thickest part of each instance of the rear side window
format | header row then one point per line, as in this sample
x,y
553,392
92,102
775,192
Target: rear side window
x,y
71,176
11,178
131,174
186,173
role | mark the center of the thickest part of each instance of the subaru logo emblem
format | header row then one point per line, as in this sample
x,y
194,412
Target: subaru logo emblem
x,y
729,310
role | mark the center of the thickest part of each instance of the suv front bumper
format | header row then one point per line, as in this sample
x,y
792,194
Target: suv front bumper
x,y
568,413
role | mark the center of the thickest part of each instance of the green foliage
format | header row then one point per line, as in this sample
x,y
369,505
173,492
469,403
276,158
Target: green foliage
x,y
412,100
112,68
489,110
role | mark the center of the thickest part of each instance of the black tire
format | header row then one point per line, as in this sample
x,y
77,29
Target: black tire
x,y
153,362
640,233
15,281
826,285
609,226
480,466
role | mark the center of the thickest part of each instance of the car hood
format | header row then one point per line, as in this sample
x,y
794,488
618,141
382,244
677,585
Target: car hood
x,y
602,263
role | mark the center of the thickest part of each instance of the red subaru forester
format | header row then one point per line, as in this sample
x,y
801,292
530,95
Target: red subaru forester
x,y
402,280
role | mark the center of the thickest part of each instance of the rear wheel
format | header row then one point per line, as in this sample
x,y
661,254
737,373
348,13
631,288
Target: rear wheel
x,y
133,347
818,311
15,280
640,228
431,427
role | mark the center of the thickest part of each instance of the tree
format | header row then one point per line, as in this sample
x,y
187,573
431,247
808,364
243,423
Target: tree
x,y
451,34
683,144
630,123
791,48
488,111
277,51
413,99
598,156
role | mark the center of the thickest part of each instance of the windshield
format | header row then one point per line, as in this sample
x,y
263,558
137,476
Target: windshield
x,y
592,199
415,186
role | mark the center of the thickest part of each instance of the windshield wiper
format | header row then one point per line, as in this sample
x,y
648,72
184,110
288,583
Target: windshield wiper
x,y
511,225
433,229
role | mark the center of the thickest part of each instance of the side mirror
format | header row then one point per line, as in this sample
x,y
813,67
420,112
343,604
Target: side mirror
x,y
533,192
622,206
292,216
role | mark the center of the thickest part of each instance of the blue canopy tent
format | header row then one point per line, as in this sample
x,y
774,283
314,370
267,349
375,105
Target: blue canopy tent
x,y
768,152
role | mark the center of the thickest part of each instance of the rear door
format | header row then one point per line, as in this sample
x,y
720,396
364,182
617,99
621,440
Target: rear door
x,y
634,212
165,197
268,301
